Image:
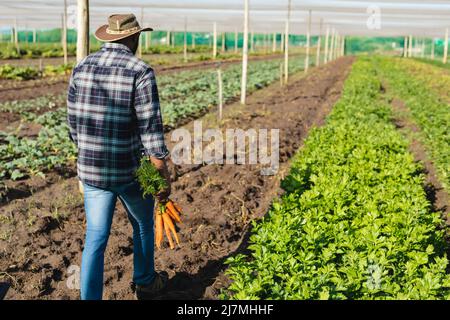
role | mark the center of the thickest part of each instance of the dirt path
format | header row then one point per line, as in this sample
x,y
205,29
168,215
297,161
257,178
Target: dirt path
x,y
436,194
21,90
42,235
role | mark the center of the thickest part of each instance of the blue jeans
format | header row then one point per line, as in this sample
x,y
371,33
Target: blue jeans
x,y
99,204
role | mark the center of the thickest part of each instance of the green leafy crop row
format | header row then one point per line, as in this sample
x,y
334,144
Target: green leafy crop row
x,y
436,63
27,73
436,79
355,222
25,156
50,50
429,110
9,51
30,107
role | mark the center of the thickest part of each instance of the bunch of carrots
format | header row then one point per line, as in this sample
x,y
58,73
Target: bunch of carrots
x,y
167,214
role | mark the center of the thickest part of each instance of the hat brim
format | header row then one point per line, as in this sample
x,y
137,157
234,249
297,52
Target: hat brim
x,y
102,35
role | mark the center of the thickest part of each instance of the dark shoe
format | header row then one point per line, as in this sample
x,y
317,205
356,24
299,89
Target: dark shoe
x,y
152,290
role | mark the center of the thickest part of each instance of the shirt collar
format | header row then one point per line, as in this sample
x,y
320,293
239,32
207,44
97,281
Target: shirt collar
x,y
115,46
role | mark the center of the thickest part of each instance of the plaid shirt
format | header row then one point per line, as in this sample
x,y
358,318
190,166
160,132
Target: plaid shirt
x,y
114,115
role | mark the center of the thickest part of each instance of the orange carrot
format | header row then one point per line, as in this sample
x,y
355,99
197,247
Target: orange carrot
x,y
168,222
159,229
177,206
173,211
167,229
170,214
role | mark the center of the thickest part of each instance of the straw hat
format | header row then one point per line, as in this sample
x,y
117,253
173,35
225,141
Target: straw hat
x,y
119,26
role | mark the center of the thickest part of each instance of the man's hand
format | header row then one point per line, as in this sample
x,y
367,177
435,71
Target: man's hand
x,y
161,166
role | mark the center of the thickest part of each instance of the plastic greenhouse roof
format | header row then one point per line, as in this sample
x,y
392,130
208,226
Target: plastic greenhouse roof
x,y
349,17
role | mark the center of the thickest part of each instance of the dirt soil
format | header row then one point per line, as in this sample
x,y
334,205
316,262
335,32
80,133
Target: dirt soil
x,y
11,90
41,234
8,120
21,90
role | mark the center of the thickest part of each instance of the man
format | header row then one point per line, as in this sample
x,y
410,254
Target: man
x,y
114,119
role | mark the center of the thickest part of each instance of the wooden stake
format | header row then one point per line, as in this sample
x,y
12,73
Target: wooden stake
x,y
16,37
308,40
423,48
419,46
193,40
410,46
34,36
338,46
282,42
335,47
405,47
319,41
219,79
331,53
274,42
185,57
215,41
281,74
432,48
223,42
236,41
327,35
63,40
83,29
444,59
168,38
266,43
252,42
343,46
286,53
148,40
141,35
286,45
245,54
416,47
64,32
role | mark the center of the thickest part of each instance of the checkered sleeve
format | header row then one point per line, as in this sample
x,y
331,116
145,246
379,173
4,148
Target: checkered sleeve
x,y
71,111
148,113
